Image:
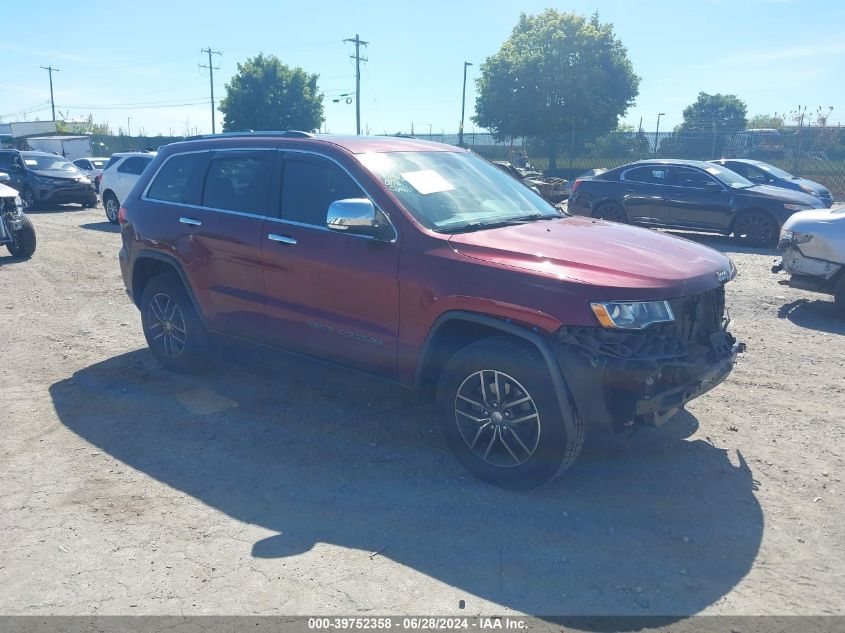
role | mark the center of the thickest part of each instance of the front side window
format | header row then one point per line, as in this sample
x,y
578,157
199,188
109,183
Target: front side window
x,y
238,181
310,185
686,177
175,181
456,191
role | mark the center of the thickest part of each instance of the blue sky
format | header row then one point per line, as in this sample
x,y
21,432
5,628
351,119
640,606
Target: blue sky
x,y
117,59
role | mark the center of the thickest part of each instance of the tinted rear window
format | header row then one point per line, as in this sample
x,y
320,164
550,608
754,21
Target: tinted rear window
x,y
238,181
649,175
111,162
134,165
177,180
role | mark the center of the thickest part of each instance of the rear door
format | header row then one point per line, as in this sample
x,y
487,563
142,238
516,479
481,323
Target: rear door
x,y
127,174
333,295
216,203
644,193
692,204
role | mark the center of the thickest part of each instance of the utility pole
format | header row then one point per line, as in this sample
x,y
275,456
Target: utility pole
x,y
51,70
211,68
657,132
358,59
463,105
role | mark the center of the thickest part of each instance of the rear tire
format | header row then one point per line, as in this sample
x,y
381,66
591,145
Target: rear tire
x,y
112,207
175,333
23,246
611,211
757,229
516,440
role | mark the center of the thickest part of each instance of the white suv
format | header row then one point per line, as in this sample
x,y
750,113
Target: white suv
x,y
119,176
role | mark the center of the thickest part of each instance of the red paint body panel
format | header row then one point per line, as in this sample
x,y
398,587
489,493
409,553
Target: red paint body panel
x,y
382,298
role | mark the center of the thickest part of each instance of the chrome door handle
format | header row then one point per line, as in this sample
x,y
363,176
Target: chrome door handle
x,y
284,239
190,221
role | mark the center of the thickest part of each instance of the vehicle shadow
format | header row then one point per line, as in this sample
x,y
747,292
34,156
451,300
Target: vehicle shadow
x,y
815,314
6,259
105,227
649,524
55,208
723,243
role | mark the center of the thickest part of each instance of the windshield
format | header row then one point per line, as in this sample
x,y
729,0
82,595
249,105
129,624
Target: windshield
x,y
775,171
40,161
451,191
728,177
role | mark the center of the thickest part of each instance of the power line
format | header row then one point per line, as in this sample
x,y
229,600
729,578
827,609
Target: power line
x,y
50,70
211,69
358,59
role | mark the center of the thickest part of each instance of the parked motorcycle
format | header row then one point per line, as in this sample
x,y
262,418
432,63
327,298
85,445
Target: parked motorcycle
x,y
16,230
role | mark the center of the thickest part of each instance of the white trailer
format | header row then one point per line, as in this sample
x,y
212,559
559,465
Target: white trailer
x,y
71,147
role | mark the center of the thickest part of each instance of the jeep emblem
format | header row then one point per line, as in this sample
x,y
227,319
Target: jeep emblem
x,y
722,276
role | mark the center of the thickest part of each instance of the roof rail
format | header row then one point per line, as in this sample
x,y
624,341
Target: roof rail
x,y
282,133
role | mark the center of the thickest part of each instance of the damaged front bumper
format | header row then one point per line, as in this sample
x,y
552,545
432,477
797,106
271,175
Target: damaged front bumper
x,y
621,377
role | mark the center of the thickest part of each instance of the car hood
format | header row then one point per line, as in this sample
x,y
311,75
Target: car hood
x,y
809,184
7,192
786,196
626,262
58,173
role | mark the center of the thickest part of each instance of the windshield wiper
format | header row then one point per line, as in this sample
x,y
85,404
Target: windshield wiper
x,y
478,226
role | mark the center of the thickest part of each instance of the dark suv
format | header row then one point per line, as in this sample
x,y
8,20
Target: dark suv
x,y
425,264
44,178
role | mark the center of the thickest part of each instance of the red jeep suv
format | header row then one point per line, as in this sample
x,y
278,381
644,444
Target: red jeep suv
x,y
428,265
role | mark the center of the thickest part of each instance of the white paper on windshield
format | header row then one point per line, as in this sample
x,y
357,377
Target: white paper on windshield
x,y
427,181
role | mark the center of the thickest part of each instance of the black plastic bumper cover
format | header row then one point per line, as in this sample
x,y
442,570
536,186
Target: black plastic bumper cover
x,y
620,377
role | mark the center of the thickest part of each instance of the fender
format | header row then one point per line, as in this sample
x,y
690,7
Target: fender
x,y
174,263
564,398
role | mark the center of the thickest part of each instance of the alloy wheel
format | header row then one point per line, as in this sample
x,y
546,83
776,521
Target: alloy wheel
x,y
755,229
497,418
167,325
111,209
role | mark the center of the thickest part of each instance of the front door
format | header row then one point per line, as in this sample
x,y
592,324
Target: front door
x,y
697,200
333,295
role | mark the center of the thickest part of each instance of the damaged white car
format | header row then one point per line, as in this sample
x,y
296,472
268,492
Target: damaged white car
x,y
812,244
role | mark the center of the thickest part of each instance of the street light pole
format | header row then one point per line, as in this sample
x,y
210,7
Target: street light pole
x,y
657,131
463,106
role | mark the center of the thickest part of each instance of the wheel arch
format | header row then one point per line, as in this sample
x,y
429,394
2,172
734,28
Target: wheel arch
x,y
109,192
456,329
148,264
750,209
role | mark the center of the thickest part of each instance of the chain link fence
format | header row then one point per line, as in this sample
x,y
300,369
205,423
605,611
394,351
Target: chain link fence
x,y
809,152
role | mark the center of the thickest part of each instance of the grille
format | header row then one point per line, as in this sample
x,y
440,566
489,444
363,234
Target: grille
x,y
699,320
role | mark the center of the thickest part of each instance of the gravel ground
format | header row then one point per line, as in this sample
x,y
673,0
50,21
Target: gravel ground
x,y
273,485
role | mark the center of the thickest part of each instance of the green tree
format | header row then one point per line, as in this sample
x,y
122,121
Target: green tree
x,y
265,94
555,73
719,113
766,121
87,126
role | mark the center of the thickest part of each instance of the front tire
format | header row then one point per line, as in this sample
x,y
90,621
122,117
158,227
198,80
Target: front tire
x,y
175,333
757,229
500,415
112,207
22,245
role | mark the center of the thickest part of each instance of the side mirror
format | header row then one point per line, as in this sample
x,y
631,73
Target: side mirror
x,y
357,216
4,177
712,187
